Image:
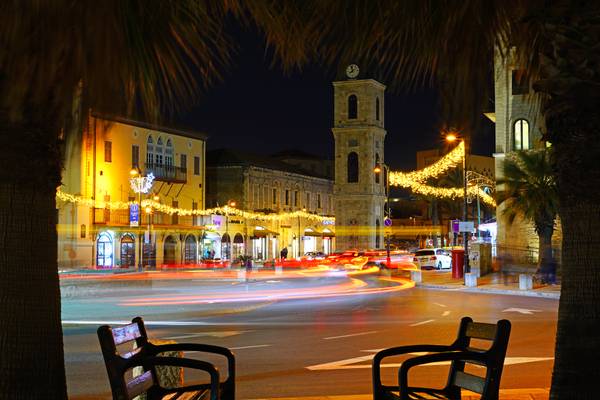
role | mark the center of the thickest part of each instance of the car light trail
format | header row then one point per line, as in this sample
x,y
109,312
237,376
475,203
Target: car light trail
x,y
353,288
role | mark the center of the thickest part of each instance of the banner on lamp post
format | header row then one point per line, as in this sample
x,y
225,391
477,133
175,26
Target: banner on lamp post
x,y
134,215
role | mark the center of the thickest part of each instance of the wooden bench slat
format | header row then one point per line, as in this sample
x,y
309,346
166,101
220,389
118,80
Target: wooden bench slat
x,y
468,381
126,333
480,330
140,384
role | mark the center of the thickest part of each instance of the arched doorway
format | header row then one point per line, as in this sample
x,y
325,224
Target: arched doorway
x,y
127,251
238,245
225,247
169,254
104,250
189,253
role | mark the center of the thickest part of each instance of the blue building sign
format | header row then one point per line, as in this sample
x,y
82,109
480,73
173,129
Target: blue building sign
x,y
134,215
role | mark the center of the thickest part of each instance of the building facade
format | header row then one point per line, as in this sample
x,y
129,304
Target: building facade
x,y
359,192
518,127
268,186
105,226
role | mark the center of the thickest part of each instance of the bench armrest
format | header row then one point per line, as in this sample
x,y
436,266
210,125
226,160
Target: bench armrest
x,y
205,348
431,358
395,351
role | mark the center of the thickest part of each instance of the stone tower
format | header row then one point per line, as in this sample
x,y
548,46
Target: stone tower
x,y
359,192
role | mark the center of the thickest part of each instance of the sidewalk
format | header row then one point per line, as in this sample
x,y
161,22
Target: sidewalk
x,y
505,394
494,282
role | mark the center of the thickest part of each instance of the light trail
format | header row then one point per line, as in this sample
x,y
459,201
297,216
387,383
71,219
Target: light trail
x,y
353,288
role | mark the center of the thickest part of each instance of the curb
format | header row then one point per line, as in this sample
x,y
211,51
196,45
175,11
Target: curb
x,y
526,293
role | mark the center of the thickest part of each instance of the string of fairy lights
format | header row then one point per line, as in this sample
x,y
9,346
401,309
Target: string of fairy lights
x,y
414,180
157,206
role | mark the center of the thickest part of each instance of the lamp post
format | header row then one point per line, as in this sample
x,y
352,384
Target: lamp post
x,y
451,138
232,204
387,212
140,184
299,233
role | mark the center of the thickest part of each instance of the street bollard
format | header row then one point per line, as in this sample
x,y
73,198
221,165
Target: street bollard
x,y
525,281
416,276
471,279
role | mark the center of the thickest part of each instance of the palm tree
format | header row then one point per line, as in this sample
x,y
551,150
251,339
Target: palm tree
x,y
57,60
529,189
451,44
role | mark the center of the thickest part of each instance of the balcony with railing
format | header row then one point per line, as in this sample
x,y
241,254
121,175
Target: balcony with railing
x,y
105,216
167,173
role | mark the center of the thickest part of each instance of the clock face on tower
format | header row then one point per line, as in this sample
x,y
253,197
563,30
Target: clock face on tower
x,y
352,71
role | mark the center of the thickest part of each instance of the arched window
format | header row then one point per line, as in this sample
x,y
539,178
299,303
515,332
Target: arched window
x,y
104,250
352,107
377,174
521,134
127,251
158,152
377,109
352,167
169,153
150,150
190,250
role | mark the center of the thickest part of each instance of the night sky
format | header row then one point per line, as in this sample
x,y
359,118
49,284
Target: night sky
x,y
258,108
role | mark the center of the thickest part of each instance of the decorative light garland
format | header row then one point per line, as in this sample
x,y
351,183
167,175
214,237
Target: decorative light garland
x,y
414,180
450,160
225,210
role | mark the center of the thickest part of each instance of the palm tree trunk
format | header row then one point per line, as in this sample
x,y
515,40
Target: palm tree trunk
x,y
574,134
546,264
31,343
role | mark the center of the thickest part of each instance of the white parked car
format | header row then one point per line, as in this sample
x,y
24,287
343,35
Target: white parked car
x,y
433,258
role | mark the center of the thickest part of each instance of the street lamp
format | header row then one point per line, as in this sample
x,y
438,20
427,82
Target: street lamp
x,y
299,235
388,215
228,247
451,137
140,184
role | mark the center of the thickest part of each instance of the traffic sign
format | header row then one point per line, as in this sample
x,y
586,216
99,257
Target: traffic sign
x,y
466,226
387,222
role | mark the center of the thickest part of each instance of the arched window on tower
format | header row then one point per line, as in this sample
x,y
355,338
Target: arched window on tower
x,y
377,174
377,109
352,167
352,107
521,134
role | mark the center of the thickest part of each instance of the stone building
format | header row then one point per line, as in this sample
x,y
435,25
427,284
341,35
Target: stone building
x,y
268,185
103,225
518,127
359,192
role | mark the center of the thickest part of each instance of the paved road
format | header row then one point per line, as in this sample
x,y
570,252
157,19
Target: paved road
x,y
304,346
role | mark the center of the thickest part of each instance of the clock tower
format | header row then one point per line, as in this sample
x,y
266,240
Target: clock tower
x,y
359,192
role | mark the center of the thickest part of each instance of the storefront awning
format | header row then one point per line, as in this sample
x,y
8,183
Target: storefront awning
x,y
262,233
313,233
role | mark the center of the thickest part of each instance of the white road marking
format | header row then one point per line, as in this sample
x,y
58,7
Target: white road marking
x,y
440,305
158,323
217,334
521,310
250,347
351,335
445,313
348,363
422,322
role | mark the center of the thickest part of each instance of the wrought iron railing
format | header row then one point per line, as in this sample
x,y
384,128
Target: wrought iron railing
x,y
167,173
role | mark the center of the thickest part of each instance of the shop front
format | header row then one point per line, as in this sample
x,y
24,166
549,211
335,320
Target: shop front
x,y
264,244
211,245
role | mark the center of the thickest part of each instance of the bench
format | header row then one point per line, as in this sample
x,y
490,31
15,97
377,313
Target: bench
x,y
119,365
459,354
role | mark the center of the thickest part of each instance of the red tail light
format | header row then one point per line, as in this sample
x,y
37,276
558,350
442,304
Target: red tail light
x,y
433,258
